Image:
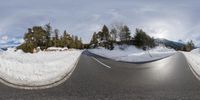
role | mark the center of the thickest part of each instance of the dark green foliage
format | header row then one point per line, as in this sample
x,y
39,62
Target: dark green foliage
x,y
127,33
35,37
41,37
94,40
48,29
142,40
120,34
105,33
101,38
189,46
27,47
106,39
66,39
124,33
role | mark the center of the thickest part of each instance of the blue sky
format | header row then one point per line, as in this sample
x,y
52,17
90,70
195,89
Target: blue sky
x,y
174,20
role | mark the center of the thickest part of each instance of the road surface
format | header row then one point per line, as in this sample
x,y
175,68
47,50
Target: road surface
x,y
103,79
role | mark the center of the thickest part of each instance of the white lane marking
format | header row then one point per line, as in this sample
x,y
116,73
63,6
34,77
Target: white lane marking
x,y
101,62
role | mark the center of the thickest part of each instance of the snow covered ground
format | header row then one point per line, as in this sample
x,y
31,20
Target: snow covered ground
x,y
36,69
133,54
193,59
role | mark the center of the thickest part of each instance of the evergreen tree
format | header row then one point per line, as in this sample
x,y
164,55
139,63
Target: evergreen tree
x,y
35,37
76,42
142,40
124,33
127,33
56,31
81,43
56,38
66,39
100,36
113,34
190,46
48,29
72,42
105,33
40,37
94,39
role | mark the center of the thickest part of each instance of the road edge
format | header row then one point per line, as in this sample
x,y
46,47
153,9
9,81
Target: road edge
x,y
191,68
142,62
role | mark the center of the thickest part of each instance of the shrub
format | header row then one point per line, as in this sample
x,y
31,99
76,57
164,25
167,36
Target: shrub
x,y
27,47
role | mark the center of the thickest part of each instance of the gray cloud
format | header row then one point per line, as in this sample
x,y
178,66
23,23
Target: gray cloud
x,y
167,18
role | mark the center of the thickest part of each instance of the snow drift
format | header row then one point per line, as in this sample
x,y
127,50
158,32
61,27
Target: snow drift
x,y
133,54
196,51
36,69
193,59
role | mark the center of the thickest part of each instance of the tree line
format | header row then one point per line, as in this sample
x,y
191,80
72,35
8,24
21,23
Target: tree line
x,y
44,37
188,46
121,34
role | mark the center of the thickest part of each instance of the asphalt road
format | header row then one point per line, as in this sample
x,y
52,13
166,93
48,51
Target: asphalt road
x,y
166,79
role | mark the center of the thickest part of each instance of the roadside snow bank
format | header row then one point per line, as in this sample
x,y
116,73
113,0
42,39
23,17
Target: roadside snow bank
x,y
196,51
133,54
193,59
56,49
36,69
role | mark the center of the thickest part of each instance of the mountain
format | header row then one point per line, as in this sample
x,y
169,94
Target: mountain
x,y
169,43
10,43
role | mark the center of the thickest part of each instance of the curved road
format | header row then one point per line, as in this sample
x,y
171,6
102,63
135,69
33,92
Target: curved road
x,y
166,79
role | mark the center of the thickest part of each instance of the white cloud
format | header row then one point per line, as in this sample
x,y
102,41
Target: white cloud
x,y
4,37
170,19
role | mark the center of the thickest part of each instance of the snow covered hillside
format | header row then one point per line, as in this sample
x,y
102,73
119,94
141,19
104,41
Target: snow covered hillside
x,y
133,54
193,59
36,69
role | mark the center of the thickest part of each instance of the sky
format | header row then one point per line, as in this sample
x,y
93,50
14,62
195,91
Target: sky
x,y
171,19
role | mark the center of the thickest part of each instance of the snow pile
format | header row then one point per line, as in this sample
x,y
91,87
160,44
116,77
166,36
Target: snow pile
x,y
193,59
36,69
197,51
57,49
133,54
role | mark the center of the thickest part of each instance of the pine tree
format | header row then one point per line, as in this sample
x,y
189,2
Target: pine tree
x,y
190,45
105,33
76,42
81,43
56,38
113,34
40,37
66,39
124,33
127,33
56,31
142,40
94,39
35,37
100,36
48,29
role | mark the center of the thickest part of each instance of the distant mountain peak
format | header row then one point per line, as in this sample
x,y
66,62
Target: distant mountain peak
x,y
169,43
5,43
